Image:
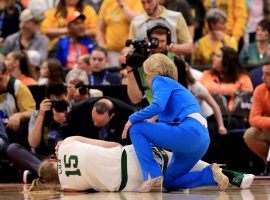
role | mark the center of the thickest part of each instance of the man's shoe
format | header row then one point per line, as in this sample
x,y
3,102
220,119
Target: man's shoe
x,y
219,177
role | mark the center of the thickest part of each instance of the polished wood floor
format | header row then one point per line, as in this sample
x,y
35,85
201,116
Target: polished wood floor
x,y
260,190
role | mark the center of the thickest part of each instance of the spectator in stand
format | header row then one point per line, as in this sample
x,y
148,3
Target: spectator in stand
x,y
18,67
28,37
10,11
198,15
100,74
256,9
68,49
113,26
254,54
257,137
51,72
34,62
213,40
220,79
16,107
55,22
183,7
236,12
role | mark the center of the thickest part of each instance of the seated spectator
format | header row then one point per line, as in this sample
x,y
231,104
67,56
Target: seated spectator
x,y
226,76
78,86
68,49
100,74
43,127
9,22
257,137
18,67
198,16
16,106
213,40
34,62
113,25
254,54
237,15
51,72
28,37
256,10
55,23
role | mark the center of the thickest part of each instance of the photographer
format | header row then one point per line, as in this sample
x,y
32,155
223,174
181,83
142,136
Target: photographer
x,y
77,89
43,128
138,90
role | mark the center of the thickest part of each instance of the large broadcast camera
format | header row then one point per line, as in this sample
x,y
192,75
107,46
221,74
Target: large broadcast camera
x,y
139,51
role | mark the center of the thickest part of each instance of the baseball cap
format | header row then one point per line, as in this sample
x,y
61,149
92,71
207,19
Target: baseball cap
x,y
34,58
73,16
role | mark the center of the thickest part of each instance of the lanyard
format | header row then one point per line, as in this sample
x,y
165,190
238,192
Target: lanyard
x,y
104,79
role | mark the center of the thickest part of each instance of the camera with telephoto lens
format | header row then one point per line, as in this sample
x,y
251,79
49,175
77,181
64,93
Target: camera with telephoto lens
x,y
140,51
59,105
83,89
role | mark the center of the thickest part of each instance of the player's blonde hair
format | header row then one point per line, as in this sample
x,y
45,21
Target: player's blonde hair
x,y
47,174
159,64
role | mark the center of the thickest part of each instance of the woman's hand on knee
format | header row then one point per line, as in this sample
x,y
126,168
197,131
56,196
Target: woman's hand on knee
x,y
125,131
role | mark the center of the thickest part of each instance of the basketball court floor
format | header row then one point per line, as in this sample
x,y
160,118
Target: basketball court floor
x,y
260,190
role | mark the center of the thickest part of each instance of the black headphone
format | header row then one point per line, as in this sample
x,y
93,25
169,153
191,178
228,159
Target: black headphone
x,y
161,26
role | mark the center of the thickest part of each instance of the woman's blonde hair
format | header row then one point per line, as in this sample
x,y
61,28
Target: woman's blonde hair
x,y
159,64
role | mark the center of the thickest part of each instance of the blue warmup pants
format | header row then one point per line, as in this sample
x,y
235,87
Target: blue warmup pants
x,y
188,142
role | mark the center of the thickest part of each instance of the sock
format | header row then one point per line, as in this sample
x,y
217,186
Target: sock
x,y
235,178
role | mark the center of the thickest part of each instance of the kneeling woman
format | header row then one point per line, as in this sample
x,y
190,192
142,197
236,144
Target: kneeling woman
x,y
181,128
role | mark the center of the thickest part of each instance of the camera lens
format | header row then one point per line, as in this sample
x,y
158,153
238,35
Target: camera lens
x,y
59,105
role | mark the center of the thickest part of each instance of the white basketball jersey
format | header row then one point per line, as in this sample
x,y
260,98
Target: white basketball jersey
x,y
84,166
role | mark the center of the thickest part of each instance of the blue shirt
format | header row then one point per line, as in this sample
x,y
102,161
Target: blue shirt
x,y
172,102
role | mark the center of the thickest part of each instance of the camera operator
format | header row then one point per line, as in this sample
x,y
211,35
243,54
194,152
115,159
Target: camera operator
x,y
138,90
181,39
43,130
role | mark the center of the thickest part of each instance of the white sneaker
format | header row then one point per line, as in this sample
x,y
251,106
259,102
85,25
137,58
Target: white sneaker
x,y
247,181
25,174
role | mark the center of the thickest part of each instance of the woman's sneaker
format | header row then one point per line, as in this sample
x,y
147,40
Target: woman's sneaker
x,y
219,177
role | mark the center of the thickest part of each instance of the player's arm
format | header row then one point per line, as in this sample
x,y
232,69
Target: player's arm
x,y
101,143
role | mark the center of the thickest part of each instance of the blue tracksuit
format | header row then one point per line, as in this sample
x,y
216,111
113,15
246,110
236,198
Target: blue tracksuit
x,y
186,137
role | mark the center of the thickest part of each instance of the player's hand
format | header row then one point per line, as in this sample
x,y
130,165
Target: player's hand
x,y
125,131
57,147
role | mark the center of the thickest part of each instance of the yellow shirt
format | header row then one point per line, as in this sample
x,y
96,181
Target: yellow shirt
x,y
51,21
236,11
116,24
204,50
